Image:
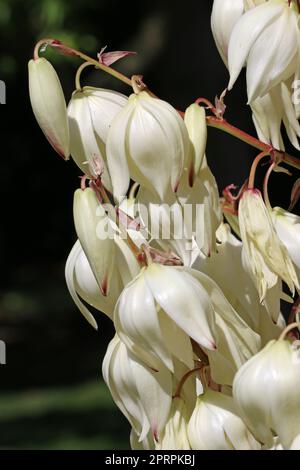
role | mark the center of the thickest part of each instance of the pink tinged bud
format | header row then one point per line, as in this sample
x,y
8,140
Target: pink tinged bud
x,y
48,104
96,236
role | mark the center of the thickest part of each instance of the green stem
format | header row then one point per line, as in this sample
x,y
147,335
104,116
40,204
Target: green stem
x,y
78,74
254,166
70,51
266,184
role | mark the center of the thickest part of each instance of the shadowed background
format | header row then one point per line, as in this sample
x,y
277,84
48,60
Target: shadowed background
x,y
51,393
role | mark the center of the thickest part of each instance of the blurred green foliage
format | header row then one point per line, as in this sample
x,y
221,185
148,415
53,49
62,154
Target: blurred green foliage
x,y
70,418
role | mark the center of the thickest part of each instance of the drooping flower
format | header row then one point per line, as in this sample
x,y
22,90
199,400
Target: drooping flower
x,y
96,235
287,226
158,312
266,40
267,256
82,283
91,111
216,425
227,269
273,109
175,435
148,142
144,396
49,105
225,14
236,342
266,390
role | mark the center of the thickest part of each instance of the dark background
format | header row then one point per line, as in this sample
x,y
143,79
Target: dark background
x,y
51,394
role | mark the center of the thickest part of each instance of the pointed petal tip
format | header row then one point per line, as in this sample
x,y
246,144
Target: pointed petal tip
x,y
104,287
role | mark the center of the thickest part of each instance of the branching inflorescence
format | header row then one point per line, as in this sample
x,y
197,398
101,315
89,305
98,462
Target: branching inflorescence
x,y
202,357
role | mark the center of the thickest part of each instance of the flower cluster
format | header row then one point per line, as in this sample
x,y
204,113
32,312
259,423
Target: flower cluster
x,y
202,357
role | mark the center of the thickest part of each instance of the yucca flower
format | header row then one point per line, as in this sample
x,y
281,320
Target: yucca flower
x,y
266,40
266,390
273,109
96,234
175,434
90,112
159,311
144,396
49,105
266,254
149,143
287,226
225,14
216,425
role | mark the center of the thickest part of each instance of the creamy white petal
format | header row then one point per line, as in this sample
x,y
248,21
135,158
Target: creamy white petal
x,y
69,274
93,228
136,317
245,33
225,14
185,301
48,104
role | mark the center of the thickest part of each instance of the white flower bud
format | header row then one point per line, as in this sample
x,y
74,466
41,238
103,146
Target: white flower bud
x,y
266,390
225,14
268,257
195,121
148,142
49,105
91,111
94,231
216,425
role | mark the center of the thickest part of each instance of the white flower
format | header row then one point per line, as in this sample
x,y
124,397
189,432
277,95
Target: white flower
x,y
203,201
144,396
94,231
236,341
227,269
270,111
158,311
49,105
82,282
266,40
216,425
148,142
225,14
266,390
287,226
91,111
175,435
195,121
268,257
